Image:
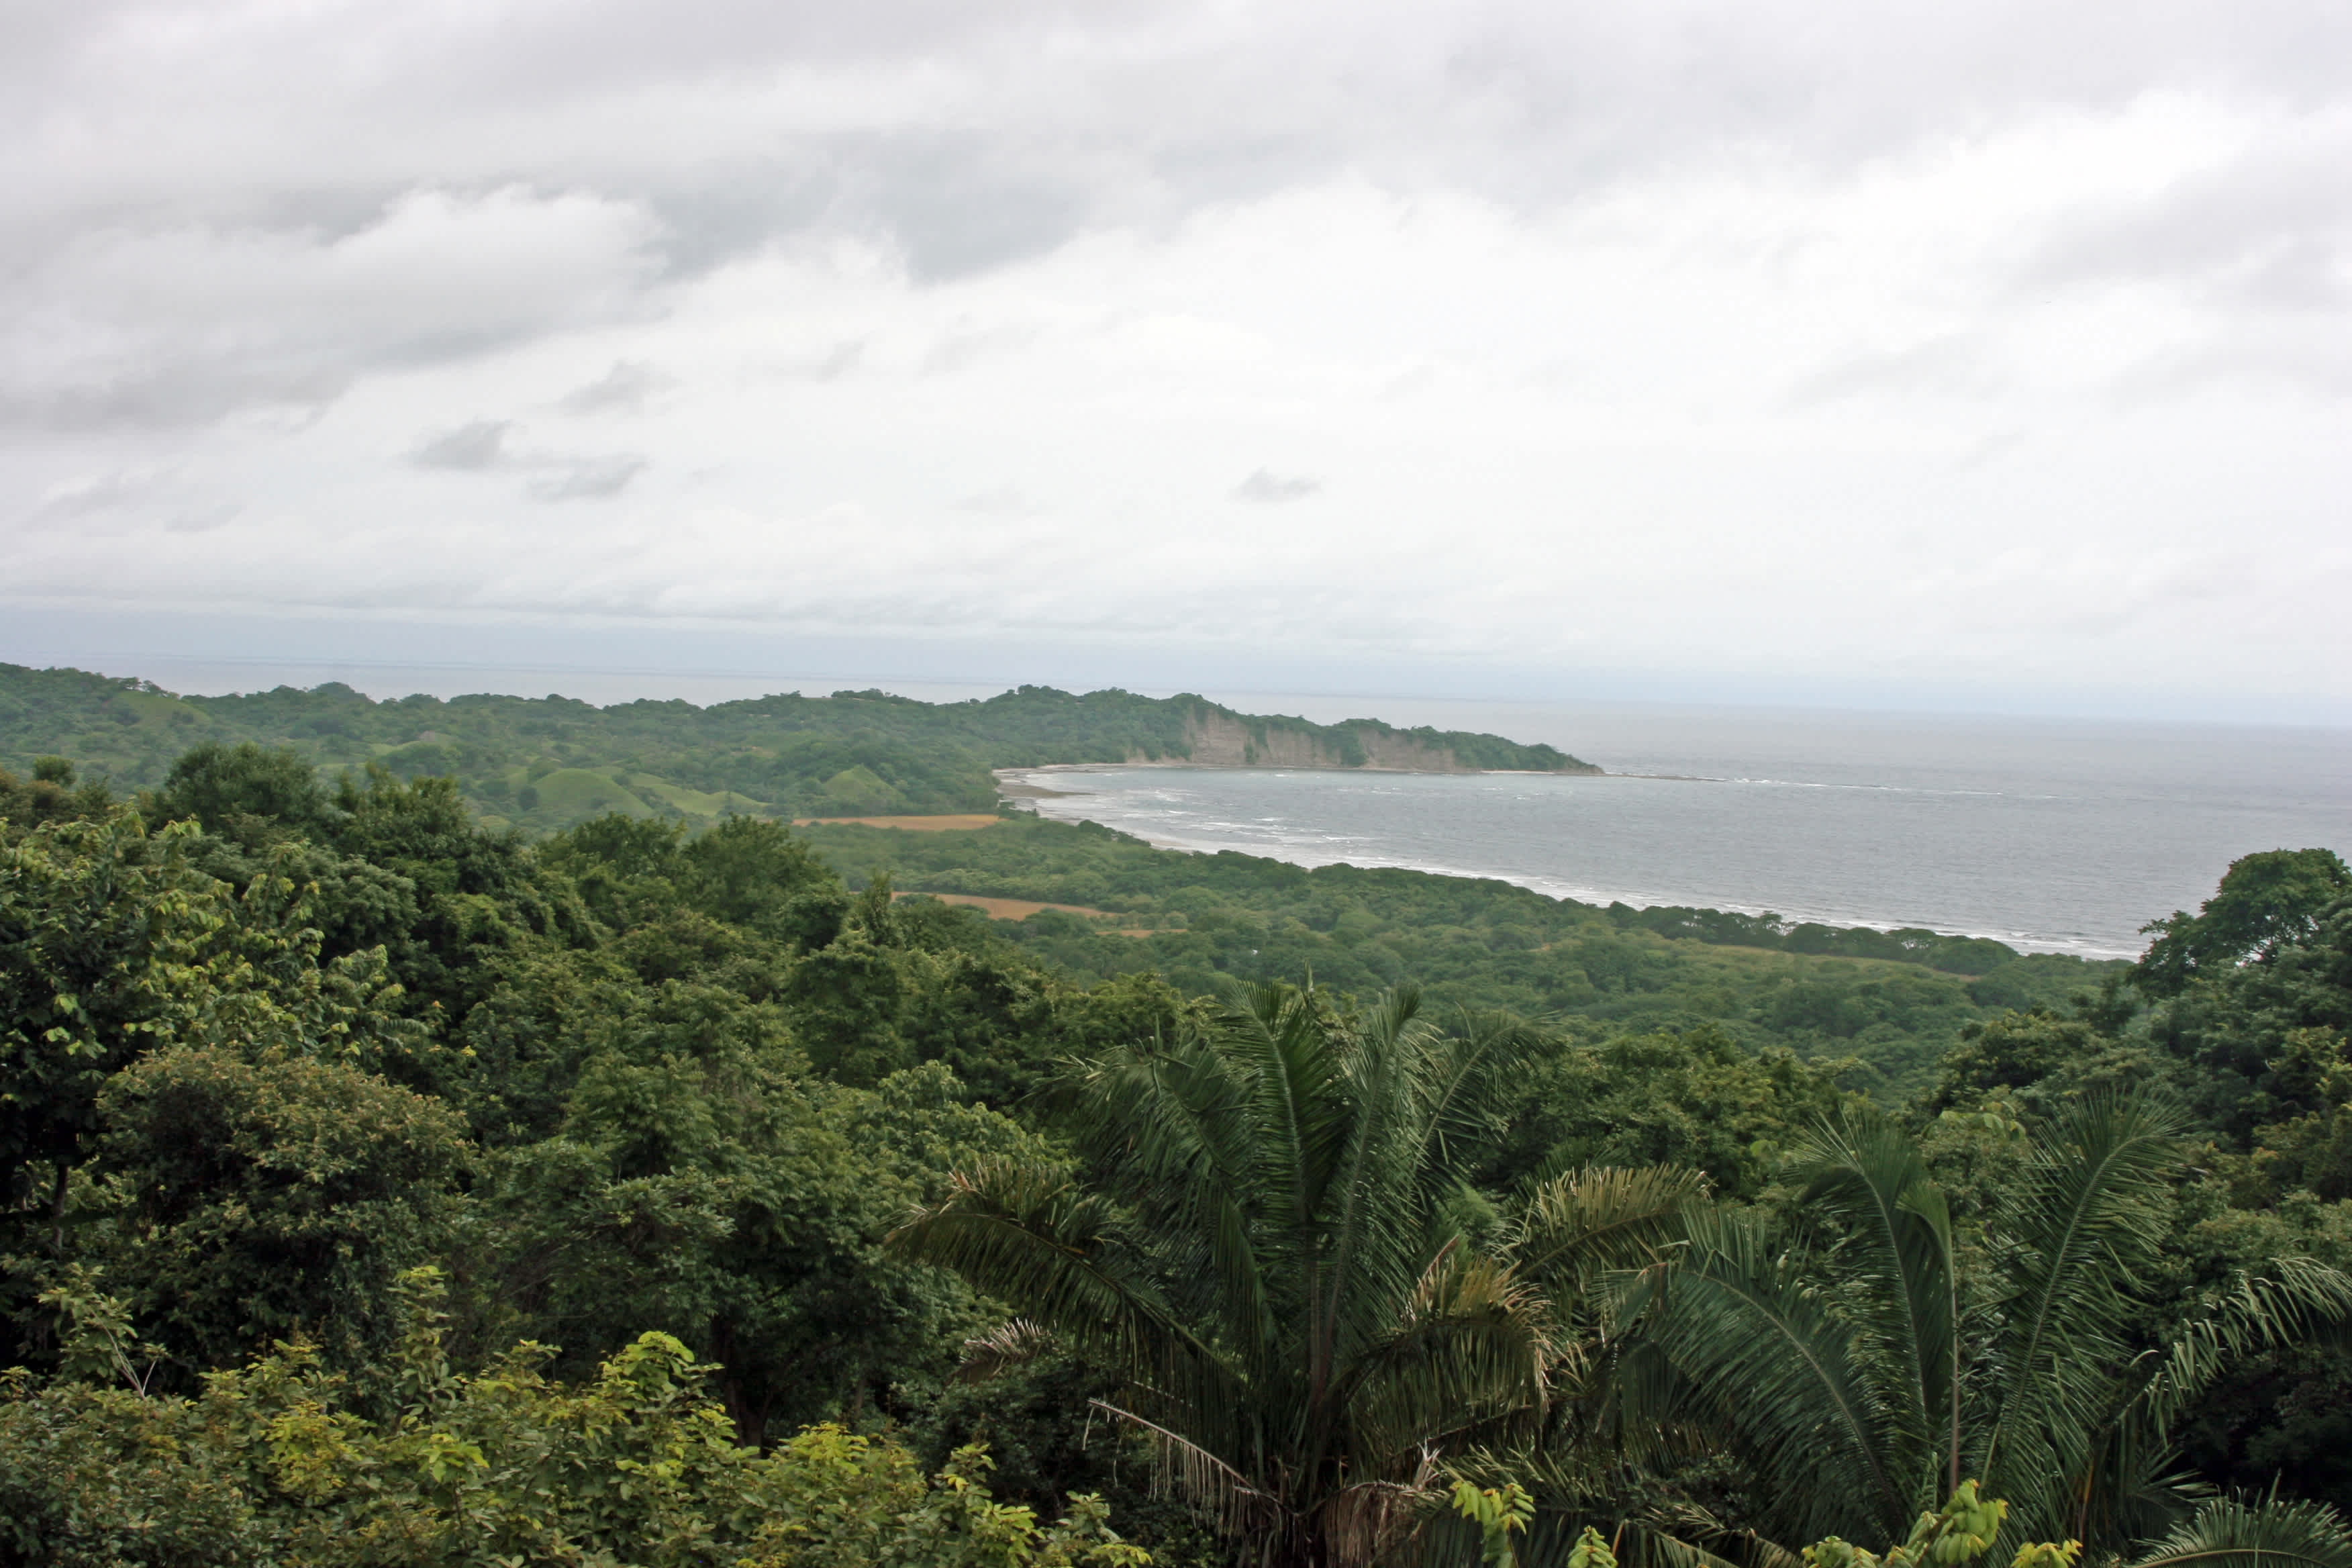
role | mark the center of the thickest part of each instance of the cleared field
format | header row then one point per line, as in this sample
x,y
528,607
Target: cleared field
x,y
957,822
1014,909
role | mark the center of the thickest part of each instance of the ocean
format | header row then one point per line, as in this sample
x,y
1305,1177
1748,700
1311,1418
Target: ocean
x,y
2053,835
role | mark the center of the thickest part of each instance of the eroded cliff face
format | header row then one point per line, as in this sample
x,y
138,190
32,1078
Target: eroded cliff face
x,y
1221,741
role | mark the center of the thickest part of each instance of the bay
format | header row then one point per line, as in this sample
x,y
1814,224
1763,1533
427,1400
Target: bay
x,y
2053,836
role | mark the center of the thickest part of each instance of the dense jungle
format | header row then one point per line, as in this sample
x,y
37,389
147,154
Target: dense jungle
x,y
393,1180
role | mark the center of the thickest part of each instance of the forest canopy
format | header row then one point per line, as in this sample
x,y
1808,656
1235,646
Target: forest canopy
x,y
549,762
385,1183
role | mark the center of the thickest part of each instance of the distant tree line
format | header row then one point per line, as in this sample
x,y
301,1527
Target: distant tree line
x,y
549,762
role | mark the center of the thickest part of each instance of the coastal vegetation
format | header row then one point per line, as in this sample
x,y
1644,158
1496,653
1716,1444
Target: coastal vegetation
x,y
1875,1009
546,763
381,1183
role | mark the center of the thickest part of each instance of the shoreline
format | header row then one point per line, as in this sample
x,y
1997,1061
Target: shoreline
x,y
1583,773
1032,796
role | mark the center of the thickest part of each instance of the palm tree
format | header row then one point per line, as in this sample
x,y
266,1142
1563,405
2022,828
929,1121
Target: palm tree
x,y
1273,1260
1864,1362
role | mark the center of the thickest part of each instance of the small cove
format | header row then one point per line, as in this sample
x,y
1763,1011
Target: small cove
x,y
2053,836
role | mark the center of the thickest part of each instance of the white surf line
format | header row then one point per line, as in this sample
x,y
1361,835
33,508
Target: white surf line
x,y
1567,892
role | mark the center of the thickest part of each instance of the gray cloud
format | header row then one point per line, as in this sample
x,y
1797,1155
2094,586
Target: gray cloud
x,y
620,390
974,135
469,449
585,478
484,447
204,520
84,494
966,138
2271,229
1267,487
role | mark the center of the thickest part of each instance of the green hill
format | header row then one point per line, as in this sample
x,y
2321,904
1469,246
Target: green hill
x,y
548,762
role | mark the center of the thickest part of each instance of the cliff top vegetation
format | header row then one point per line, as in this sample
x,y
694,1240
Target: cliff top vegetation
x,y
548,762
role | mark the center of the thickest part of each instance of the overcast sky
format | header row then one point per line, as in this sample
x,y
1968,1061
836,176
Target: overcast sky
x,y
1996,347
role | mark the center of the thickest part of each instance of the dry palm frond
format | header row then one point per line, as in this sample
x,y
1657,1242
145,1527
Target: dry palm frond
x,y
1368,1522
1013,1343
1225,1496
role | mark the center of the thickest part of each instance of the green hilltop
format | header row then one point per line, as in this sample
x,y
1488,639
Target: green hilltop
x,y
546,763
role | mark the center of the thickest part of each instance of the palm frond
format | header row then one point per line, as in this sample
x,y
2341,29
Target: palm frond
x,y
2228,1533
1229,1499
1370,1254
1175,1123
1015,1342
1024,1233
2083,1229
1755,1347
1472,1349
1265,1283
1466,1076
1368,1521
1684,1535
1577,1225
2295,1300
1292,1070
1893,1258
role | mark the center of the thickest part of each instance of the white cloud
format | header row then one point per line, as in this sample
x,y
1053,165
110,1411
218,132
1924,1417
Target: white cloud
x,y
1999,340
186,322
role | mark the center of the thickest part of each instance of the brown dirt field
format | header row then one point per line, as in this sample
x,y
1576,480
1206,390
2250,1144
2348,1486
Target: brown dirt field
x,y
1013,909
955,824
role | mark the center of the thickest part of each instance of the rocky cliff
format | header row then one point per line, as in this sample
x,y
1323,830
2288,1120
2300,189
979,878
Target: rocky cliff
x,y
1215,737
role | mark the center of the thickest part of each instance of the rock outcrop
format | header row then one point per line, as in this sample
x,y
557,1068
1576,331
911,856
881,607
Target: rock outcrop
x,y
1216,737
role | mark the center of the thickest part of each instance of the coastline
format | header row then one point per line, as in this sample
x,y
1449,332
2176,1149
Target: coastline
x,y
1032,799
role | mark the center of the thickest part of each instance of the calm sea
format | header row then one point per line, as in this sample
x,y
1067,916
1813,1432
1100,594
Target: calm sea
x,y
2050,835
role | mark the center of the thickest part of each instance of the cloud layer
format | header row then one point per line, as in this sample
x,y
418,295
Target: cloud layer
x,y
1996,343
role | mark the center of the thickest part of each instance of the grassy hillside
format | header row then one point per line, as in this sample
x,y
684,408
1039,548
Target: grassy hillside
x,y
545,762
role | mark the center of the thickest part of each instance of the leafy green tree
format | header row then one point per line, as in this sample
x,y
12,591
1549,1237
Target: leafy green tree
x,y
111,945
745,872
50,795
2313,1150
1271,1261
2234,1029
848,1001
2264,901
2283,1419
91,925
1861,1360
274,1464
692,1174
253,1200
1696,1098
481,895
245,793
2039,1059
